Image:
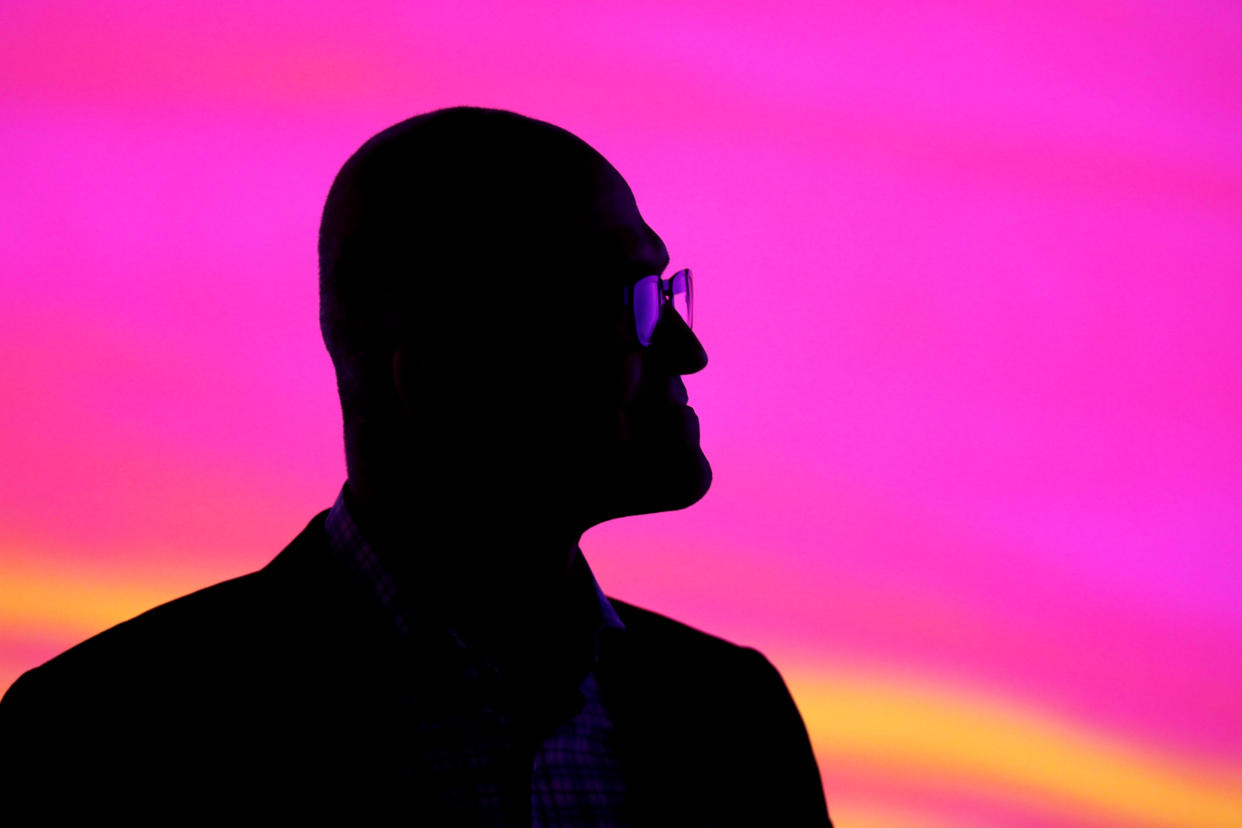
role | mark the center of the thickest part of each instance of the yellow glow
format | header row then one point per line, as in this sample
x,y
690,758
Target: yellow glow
x,y
914,729
55,605
868,814
961,738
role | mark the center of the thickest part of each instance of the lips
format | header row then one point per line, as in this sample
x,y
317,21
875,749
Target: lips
x,y
676,395
671,402
675,392
672,399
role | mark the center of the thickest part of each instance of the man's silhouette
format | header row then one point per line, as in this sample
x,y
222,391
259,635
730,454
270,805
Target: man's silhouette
x,y
434,647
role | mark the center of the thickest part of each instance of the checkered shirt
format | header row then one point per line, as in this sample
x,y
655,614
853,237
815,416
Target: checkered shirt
x,y
487,763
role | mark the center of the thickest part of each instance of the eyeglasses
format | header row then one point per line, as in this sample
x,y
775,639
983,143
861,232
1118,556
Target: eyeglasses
x,y
650,294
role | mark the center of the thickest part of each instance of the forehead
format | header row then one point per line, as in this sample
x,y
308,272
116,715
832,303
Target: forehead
x,y
609,234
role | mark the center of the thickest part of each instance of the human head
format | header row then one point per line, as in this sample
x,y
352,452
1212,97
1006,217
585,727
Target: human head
x,y
471,270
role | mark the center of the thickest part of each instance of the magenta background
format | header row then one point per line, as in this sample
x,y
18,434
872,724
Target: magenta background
x,y
969,277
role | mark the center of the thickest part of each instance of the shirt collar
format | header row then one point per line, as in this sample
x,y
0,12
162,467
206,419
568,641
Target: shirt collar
x,y
347,542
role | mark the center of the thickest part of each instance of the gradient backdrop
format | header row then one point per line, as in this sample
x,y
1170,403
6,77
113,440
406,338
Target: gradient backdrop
x,y
969,276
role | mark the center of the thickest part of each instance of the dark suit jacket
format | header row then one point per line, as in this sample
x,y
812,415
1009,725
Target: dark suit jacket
x,y
276,692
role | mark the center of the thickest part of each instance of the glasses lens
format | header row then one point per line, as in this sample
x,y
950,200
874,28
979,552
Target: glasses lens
x,y
683,295
646,308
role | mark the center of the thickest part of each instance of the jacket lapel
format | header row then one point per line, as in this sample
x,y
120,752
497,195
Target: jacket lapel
x,y
651,728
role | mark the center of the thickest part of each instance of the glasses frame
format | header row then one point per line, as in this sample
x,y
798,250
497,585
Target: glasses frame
x,y
666,298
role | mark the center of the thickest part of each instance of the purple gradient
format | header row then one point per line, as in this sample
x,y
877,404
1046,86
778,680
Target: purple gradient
x,y
967,275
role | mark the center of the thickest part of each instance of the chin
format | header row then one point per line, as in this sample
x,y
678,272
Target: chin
x,y
659,469
675,480
688,483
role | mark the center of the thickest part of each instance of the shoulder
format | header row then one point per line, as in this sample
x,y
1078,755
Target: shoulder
x,y
215,685
661,640
162,633
710,672
744,742
645,623
185,640
104,710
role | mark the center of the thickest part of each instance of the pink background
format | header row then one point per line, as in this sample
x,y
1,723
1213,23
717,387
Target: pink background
x,y
968,275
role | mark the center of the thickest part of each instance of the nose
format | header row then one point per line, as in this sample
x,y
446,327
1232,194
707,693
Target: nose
x,y
675,346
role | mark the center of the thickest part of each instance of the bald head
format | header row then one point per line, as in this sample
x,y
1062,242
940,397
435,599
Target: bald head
x,y
444,195
450,205
472,273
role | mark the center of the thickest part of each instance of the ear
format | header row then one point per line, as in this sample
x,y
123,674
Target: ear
x,y
409,376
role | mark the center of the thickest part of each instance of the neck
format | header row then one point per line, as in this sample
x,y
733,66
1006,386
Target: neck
x,y
487,570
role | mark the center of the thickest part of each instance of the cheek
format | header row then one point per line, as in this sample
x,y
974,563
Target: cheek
x,y
603,378
580,393
628,373
618,396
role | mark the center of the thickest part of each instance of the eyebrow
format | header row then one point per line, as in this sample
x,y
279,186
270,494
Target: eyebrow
x,y
654,259
658,244
651,257
642,269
